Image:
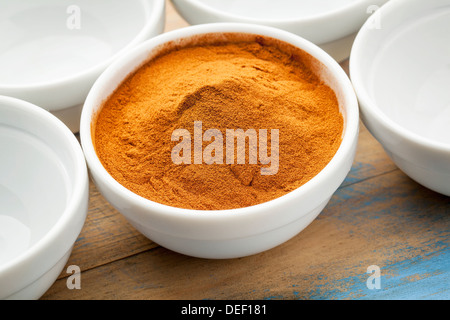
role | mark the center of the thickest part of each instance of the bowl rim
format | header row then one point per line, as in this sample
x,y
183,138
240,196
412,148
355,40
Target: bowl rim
x,y
346,9
368,104
153,10
79,186
350,132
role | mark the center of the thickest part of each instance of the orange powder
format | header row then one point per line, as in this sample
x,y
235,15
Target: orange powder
x,y
239,85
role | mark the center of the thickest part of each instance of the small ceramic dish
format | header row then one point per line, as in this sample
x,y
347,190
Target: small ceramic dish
x,y
43,198
331,24
401,73
52,51
224,233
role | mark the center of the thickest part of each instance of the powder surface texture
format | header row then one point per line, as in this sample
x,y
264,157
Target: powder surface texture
x,y
241,85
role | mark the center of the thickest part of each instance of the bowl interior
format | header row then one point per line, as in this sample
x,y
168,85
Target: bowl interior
x,y
48,40
405,69
276,10
36,170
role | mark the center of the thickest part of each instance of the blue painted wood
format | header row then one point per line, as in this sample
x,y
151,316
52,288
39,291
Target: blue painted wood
x,y
411,225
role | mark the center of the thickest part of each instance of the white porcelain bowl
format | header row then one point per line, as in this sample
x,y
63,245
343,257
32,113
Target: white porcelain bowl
x,y
43,198
52,51
331,24
401,74
223,233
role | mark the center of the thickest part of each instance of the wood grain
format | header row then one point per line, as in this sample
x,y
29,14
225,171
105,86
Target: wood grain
x,y
377,217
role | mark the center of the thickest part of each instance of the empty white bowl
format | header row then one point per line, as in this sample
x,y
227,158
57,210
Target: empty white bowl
x,y
43,198
401,73
223,233
52,51
331,24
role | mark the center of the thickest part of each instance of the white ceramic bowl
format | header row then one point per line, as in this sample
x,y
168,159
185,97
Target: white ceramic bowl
x,y
52,51
223,233
331,24
43,198
401,73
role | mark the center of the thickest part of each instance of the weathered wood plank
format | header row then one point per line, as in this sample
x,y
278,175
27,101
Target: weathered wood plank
x,y
388,221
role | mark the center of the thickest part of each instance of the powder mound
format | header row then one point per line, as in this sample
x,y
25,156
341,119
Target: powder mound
x,y
257,89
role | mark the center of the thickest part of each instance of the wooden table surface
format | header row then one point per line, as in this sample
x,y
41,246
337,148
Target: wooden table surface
x,y
378,217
